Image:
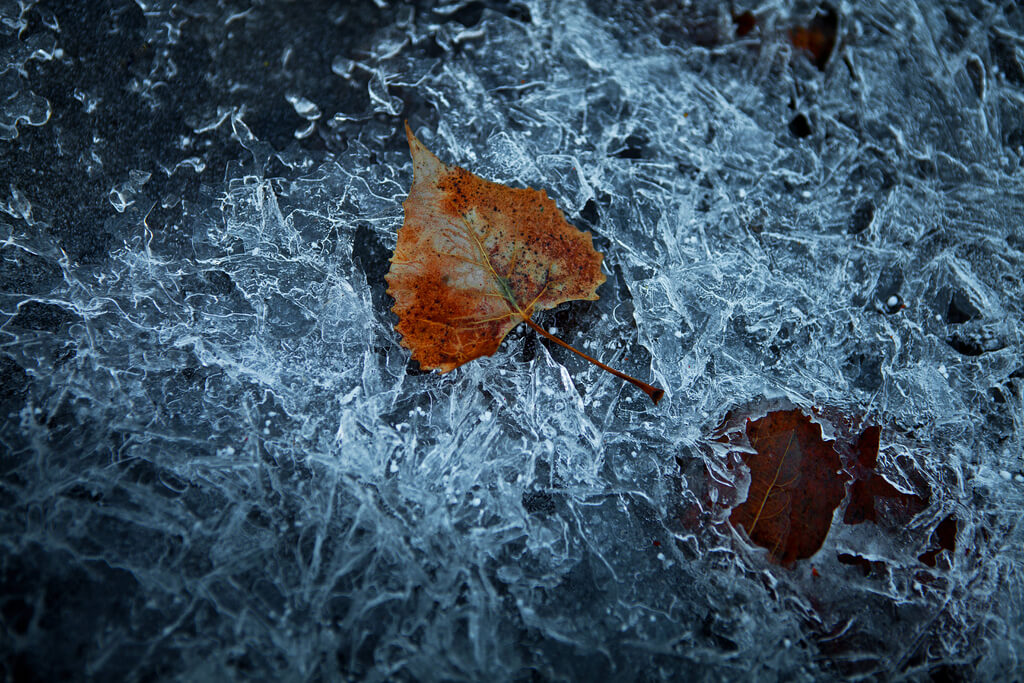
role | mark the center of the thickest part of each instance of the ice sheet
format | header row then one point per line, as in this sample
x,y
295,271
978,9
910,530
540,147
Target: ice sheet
x,y
218,463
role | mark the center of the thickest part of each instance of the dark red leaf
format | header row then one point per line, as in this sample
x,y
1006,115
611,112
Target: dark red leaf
x,y
796,485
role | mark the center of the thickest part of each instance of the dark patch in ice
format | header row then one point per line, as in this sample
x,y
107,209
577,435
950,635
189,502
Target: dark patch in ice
x,y
745,23
862,217
943,540
960,309
709,628
13,386
39,316
538,502
866,566
589,214
76,593
975,341
864,371
1008,58
887,297
800,127
632,147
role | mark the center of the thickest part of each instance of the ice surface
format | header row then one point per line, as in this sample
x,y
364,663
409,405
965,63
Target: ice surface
x,y
218,463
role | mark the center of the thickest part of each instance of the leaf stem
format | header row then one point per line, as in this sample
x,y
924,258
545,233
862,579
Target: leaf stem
x,y
654,392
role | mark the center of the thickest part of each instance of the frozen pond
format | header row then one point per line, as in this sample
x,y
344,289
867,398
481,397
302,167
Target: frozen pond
x,y
217,462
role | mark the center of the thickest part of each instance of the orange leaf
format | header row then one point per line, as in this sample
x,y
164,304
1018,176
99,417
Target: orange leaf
x,y
475,258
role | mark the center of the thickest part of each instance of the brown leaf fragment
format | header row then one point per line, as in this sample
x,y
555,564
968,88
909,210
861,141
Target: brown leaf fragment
x,y
871,493
475,258
745,23
796,483
819,38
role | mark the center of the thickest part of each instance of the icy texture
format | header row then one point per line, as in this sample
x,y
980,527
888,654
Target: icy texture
x,y
216,461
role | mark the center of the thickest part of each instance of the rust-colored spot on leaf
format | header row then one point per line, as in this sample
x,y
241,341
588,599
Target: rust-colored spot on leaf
x,y
796,485
475,258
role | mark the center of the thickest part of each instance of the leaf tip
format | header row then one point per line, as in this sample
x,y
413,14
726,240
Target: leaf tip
x,y
424,161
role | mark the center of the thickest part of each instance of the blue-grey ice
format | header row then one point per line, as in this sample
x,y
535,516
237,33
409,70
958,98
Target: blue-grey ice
x,y
218,463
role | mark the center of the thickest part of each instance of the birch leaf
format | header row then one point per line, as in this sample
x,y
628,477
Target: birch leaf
x,y
474,259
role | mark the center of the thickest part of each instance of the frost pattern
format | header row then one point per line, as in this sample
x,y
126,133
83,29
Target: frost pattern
x,y
218,463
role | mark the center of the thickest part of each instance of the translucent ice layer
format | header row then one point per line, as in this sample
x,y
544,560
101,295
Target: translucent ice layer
x,y
217,462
